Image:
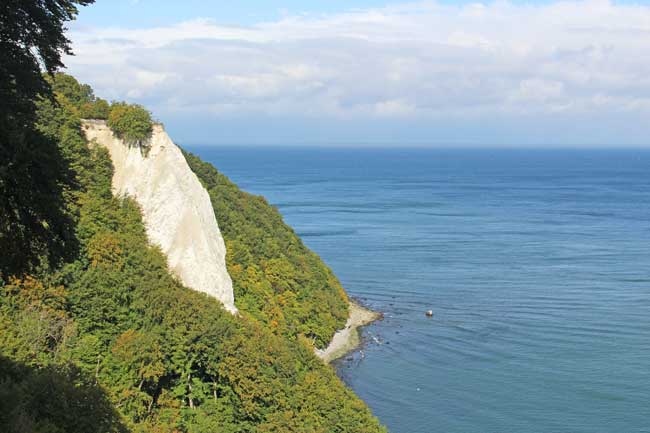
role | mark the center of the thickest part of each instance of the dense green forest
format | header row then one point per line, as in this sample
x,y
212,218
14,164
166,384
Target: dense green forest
x,y
275,277
95,334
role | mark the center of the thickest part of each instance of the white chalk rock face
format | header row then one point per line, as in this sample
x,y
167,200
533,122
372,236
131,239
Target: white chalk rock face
x,y
176,208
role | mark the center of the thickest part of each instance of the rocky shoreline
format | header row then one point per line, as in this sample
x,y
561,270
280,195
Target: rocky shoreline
x,y
347,339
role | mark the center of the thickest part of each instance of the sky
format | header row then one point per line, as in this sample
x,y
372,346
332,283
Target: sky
x,y
376,73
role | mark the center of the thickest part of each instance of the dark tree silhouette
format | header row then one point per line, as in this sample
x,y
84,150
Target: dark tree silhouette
x,y
53,400
33,173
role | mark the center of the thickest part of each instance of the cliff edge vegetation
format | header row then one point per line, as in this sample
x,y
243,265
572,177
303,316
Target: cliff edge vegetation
x,y
276,278
96,335
131,123
160,356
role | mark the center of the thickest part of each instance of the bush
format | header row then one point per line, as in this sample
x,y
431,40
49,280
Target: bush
x,y
131,123
81,96
99,109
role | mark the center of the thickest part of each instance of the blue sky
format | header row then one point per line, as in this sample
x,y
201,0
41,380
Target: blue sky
x,y
139,13
390,73
147,13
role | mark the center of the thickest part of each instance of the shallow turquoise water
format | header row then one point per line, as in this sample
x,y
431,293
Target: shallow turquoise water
x,y
536,265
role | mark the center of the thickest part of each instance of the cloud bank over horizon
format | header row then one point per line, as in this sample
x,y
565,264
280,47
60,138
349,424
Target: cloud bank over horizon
x,y
563,73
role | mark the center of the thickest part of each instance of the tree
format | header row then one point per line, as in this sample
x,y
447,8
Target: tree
x,y
33,174
132,123
276,278
105,335
53,400
80,96
31,36
96,110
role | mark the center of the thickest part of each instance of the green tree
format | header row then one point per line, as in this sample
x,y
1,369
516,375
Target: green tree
x,y
99,109
132,123
34,225
95,333
134,344
56,400
31,35
276,278
80,96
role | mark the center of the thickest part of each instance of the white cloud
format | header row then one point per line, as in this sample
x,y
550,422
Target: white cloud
x,y
421,60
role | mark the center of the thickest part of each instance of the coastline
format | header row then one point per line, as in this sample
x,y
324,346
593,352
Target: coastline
x,y
348,339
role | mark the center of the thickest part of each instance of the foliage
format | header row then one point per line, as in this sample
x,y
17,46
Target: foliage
x,y
111,324
53,400
32,35
42,390
95,334
34,225
79,96
132,123
276,278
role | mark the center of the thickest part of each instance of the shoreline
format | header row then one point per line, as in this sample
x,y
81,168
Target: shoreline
x,y
348,339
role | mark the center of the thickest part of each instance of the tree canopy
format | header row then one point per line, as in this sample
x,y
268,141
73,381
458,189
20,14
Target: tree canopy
x,y
80,96
33,173
31,35
276,278
95,334
130,122
111,326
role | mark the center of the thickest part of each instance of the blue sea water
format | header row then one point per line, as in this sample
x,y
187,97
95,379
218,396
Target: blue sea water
x,y
536,265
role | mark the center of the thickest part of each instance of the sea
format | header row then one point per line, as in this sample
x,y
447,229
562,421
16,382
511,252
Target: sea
x,y
535,263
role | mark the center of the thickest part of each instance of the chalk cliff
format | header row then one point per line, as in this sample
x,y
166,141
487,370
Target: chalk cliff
x,y
176,208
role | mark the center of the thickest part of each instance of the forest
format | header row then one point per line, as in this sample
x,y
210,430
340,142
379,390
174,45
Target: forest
x,y
276,279
95,334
